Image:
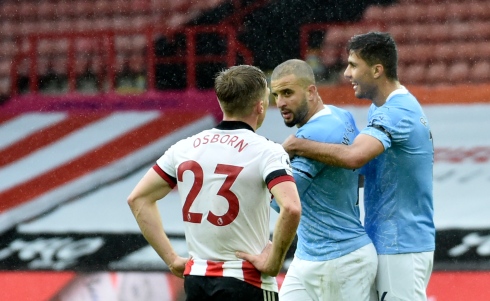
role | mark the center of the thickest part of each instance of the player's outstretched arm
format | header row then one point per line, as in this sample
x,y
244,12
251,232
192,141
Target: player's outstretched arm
x,y
362,150
142,202
272,257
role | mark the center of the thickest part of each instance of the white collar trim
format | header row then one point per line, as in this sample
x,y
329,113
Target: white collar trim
x,y
401,90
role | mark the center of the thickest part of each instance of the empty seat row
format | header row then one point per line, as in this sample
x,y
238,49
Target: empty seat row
x,y
443,32
429,13
461,72
45,10
429,53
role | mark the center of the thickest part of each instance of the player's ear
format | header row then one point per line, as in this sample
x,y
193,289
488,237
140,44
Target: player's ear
x,y
259,107
378,70
312,91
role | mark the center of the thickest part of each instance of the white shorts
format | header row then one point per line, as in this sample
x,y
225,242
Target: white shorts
x,y
403,277
346,278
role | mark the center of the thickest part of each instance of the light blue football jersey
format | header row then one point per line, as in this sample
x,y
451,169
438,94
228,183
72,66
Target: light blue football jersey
x,y
330,225
398,183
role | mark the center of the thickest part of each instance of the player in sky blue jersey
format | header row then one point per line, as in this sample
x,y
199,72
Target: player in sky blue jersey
x,y
396,152
334,258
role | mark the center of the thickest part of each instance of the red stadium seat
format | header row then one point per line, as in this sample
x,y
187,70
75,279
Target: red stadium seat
x,y
123,44
480,72
27,10
4,85
435,12
445,52
84,9
479,10
458,72
9,10
85,46
395,14
481,29
46,10
436,73
438,32
7,49
141,7
335,37
374,13
413,74
458,11
461,30
5,68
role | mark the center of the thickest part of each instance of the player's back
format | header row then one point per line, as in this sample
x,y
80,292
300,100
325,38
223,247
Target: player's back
x,y
221,180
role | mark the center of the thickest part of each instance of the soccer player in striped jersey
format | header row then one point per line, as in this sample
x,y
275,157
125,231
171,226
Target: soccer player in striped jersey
x,y
396,154
226,177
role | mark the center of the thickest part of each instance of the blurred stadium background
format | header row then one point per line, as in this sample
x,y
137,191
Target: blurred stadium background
x,y
93,91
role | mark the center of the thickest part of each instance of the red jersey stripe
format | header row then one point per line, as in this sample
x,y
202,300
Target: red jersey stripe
x,y
214,269
279,180
251,274
164,176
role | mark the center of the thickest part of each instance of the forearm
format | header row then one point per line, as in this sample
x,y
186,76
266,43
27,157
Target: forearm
x,y
330,154
149,221
284,233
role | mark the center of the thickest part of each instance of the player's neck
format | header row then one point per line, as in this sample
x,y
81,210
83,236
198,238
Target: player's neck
x,y
384,91
248,120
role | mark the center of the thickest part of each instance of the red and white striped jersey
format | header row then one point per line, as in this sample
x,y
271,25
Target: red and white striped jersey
x,y
224,176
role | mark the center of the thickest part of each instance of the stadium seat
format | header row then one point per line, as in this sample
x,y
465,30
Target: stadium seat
x,y
461,30
480,29
436,73
123,44
85,46
102,23
4,86
7,28
458,72
438,33
84,9
9,10
27,10
456,11
103,8
412,74
7,49
141,7
399,33
5,68
395,14
480,72
482,51
435,12
445,52
479,10
334,37
46,10
374,13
